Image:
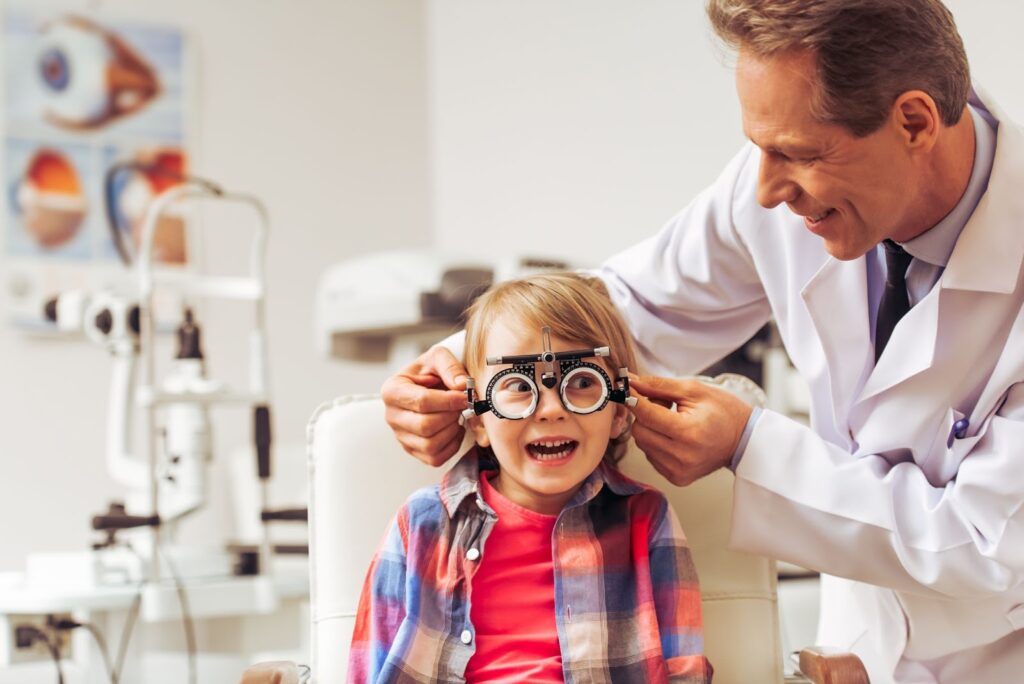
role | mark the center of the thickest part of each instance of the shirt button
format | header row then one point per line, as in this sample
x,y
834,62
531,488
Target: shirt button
x,y
473,554
466,637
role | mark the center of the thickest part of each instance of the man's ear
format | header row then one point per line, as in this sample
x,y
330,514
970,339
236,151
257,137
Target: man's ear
x,y
620,421
917,119
476,425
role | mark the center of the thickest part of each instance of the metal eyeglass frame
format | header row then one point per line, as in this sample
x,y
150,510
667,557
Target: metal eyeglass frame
x,y
525,365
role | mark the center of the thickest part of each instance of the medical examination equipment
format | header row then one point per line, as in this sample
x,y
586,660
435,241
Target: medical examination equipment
x,y
513,394
165,473
390,306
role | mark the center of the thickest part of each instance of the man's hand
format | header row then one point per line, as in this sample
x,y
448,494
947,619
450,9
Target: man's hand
x,y
422,405
698,437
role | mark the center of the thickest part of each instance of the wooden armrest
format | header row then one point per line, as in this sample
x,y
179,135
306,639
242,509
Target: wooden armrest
x,y
274,672
824,665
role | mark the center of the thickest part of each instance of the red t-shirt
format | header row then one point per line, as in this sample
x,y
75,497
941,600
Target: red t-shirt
x,y
513,598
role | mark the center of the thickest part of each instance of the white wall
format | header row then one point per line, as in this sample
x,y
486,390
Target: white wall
x,y
319,108
572,128
579,127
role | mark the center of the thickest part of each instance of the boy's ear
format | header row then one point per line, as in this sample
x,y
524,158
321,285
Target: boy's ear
x,y
476,426
620,422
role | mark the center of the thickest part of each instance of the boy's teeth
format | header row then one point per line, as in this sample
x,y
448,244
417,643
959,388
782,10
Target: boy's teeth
x,y
551,450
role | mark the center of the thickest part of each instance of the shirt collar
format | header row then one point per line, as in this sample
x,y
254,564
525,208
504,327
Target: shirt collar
x,y
464,479
936,244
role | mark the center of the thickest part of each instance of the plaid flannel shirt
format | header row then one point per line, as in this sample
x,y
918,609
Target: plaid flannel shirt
x,y
626,593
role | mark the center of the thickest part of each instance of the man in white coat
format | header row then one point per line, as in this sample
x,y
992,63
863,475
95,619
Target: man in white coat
x,y
878,215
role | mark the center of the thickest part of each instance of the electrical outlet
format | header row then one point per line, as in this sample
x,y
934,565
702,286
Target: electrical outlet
x,y
15,630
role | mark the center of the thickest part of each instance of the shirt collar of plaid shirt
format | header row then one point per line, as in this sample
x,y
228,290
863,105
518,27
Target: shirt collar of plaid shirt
x,y
464,479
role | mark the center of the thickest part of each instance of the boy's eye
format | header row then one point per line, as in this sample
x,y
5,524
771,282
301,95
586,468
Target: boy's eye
x,y
516,385
582,381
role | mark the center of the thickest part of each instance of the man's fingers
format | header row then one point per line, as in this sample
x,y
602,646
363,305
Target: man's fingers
x,y
670,389
401,392
653,441
451,448
663,453
655,417
433,450
422,424
440,361
663,469
428,380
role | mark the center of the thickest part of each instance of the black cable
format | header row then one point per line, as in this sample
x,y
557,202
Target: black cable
x,y
186,619
109,191
55,652
64,625
53,648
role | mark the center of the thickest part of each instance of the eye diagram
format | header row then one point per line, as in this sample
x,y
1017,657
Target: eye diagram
x,y
50,199
89,76
133,190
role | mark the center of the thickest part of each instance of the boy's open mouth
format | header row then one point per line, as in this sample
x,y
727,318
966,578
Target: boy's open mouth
x,y
552,450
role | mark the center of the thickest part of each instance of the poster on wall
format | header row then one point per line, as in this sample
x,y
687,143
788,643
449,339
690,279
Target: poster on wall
x,y
94,126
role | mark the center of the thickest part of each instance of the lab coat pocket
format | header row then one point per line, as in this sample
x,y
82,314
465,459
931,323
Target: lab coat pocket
x,y
949,445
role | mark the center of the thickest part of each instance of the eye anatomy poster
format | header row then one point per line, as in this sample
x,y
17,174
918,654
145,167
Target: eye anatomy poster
x,y
94,129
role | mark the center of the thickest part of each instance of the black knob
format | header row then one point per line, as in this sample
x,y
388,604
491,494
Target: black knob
x,y
133,319
50,309
104,321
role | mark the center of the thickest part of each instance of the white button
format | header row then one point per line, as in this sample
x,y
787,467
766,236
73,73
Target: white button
x,y
473,554
466,636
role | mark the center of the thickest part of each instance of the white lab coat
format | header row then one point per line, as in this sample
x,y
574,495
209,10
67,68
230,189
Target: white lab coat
x,y
930,529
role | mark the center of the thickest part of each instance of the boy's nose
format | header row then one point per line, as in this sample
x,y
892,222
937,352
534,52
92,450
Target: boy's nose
x,y
549,404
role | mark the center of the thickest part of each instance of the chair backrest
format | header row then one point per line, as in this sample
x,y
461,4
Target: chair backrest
x,y
359,476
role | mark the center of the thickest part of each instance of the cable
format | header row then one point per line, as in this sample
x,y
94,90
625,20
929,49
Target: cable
x,y
126,634
97,635
101,644
35,634
55,652
130,620
110,197
186,617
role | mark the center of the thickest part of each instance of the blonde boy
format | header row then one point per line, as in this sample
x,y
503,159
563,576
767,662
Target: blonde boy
x,y
535,559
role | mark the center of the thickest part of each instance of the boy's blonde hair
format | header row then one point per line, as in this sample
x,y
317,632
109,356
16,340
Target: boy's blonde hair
x,y
576,307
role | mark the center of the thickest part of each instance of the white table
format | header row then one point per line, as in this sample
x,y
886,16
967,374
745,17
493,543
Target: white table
x,y
238,621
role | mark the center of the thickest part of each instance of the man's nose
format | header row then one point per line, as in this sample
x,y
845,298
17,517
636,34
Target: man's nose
x,y
774,186
549,404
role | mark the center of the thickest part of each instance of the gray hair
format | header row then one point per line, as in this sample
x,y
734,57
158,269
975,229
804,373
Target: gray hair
x,y
868,52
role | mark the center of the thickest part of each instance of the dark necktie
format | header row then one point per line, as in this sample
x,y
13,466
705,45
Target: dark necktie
x,y
895,301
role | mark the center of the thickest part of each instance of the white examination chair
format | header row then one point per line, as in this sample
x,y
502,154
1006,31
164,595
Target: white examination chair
x,y
359,476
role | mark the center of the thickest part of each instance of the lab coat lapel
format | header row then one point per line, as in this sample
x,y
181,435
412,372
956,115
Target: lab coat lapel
x,y
910,350
986,259
836,299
